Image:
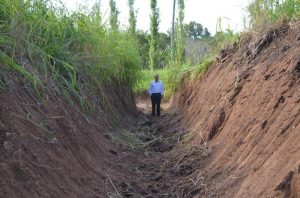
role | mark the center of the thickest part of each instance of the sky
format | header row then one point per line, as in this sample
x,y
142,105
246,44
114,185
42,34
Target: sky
x,y
205,12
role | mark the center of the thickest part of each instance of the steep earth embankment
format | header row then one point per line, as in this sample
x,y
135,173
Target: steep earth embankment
x,y
246,108
50,147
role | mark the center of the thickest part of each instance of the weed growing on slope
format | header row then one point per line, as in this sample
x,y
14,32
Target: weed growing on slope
x,y
265,13
75,52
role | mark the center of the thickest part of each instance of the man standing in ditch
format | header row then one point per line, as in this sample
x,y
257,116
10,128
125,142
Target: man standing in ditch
x,y
156,92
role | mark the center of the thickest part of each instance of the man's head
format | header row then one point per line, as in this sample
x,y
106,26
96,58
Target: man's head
x,y
156,77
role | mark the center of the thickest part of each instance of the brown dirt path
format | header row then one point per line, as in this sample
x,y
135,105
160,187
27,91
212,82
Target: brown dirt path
x,y
162,169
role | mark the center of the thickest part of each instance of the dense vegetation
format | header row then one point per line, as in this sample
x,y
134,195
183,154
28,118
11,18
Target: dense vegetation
x,y
114,13
78,53
132,18
262,14
154,35
74,52
180,34
266,13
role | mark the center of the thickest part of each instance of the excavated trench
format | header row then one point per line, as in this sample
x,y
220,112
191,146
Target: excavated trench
x,y
164,167
234,132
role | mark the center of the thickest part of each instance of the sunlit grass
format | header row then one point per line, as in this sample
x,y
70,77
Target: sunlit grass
x,y
76,52
265,13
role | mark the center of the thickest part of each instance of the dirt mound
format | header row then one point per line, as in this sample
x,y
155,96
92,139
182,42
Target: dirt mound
x,y
247,109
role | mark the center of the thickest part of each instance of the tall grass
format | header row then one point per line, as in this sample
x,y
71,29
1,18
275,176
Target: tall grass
x,y
46,44
222,39
173,74
265,13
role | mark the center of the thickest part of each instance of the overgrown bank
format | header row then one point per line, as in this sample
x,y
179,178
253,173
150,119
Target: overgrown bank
x,y
44,45
66,84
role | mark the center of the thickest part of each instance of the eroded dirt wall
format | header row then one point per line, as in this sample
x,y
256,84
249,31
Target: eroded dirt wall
x,y
247,109
50,147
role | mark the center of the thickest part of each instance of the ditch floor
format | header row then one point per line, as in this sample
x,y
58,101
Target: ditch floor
x,y
164,165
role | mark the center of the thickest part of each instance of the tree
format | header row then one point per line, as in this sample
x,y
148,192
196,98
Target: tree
x,y
114,13
196,31
173,33
181,7
96,11
163,49
206,33
132,17
154,36
143,46
180,33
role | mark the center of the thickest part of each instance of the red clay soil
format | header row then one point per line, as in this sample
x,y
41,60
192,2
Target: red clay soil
x,y
246,108
51,148
233,133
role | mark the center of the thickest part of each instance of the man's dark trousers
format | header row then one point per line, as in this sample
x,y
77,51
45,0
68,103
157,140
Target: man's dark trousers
x,y
156,98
